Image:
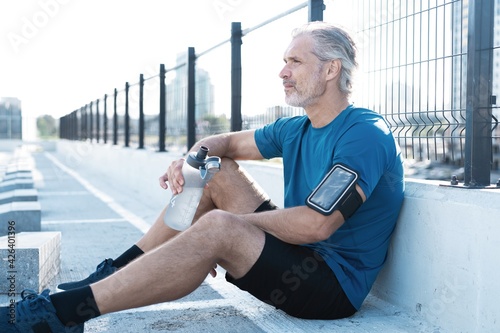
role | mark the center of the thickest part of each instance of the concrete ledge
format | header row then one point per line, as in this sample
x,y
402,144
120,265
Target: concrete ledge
x,y
29,260
23,174
18,195
15,184
27,216
442,262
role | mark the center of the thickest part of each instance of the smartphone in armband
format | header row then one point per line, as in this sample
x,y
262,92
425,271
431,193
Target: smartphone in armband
x,y
337,185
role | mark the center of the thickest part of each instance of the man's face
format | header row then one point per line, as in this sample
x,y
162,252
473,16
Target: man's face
x,y
303,74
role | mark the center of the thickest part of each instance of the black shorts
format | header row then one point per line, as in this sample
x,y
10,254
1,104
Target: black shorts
x,y
295,279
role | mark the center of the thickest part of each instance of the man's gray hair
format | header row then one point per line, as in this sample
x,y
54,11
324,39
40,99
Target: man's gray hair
x,y
332,42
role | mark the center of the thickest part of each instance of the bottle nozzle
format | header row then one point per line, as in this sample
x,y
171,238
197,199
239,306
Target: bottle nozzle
x,y
202,153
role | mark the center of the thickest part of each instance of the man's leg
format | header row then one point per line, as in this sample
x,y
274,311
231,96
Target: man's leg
x,y
219,194
178,267
191,255
231,189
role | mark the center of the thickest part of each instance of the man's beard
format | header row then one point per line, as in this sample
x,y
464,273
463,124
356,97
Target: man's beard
x,y
308,95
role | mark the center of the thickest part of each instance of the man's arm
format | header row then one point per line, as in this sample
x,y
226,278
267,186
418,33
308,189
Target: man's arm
x,y
234,145
298,225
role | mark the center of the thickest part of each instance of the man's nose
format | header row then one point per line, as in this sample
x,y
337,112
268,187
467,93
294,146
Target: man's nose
x,y
284,73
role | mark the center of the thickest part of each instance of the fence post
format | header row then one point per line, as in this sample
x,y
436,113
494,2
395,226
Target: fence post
x,y
115,119
74,126
97,121
62,127
316,8
236,35
83,116
127,117
478,138
191,98
141,111
105,134
163,110
91,122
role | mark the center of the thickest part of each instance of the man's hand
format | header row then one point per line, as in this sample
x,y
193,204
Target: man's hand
x,y
174,177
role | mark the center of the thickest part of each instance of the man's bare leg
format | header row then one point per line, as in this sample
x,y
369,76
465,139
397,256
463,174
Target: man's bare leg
x,y
179,266
229,190
158,234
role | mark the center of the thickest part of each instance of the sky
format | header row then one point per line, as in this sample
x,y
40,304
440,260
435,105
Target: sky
x,y
58,55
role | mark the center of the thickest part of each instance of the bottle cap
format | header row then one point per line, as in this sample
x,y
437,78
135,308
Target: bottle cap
x,y
198,160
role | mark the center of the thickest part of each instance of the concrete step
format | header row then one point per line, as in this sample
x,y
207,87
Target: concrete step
x,y
29,260
15,184
18,195
23,174
26,214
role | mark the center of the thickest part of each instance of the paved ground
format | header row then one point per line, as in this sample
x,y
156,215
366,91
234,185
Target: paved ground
x,y
98,220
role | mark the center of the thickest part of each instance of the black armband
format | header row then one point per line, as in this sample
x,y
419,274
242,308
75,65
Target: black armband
x,y
336,191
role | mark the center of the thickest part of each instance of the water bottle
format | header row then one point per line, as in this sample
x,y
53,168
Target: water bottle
x,y
197,170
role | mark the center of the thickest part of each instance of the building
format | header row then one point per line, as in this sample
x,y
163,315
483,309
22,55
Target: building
x,y
177,97
10,118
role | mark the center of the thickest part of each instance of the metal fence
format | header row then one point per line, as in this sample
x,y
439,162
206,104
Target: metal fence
x,y
173,107
430,67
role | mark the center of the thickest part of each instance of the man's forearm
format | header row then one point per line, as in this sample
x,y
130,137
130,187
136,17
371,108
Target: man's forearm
x,y
297,225
234,145
218,145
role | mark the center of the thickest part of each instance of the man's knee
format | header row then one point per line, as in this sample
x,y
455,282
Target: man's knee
x,y
222,225
228,167
215,221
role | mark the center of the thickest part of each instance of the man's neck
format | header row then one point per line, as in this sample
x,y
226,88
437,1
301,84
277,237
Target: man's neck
x,y
321,114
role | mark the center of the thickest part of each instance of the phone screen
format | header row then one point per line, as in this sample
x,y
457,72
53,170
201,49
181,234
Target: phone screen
x,y
331,189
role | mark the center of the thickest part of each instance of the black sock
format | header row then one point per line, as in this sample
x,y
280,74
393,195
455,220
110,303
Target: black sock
x,y
127,256
75,306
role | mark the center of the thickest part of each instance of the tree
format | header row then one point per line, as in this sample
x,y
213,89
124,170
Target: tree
x,y
46,126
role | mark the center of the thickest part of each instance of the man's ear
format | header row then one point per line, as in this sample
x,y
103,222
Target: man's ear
x,y
334,69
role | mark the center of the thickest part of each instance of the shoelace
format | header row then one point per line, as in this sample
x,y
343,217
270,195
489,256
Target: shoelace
x,y
101,269
30,301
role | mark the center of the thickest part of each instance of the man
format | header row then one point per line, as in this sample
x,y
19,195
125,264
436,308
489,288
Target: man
x,y
336,230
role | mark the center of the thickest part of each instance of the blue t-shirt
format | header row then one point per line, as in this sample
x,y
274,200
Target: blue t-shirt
x,y
360,139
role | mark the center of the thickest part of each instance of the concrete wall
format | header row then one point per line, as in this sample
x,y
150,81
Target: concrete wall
x,y
442,265
443,261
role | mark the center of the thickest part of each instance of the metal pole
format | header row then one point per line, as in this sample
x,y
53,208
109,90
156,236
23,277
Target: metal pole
x,y
236,119
74,126
316,8
115,120
83,115
163,110
105,118
478,141
127,117
141,111
62,128
191,98
91,121
98,121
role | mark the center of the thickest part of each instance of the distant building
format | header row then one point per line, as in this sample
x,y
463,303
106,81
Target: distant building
x,y
177,98
10,118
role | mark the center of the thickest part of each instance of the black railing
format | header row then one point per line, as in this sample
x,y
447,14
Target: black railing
x,y
78,125
424,68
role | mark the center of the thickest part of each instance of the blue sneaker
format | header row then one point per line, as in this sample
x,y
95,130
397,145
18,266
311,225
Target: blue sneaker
x,y
104,269
33,314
